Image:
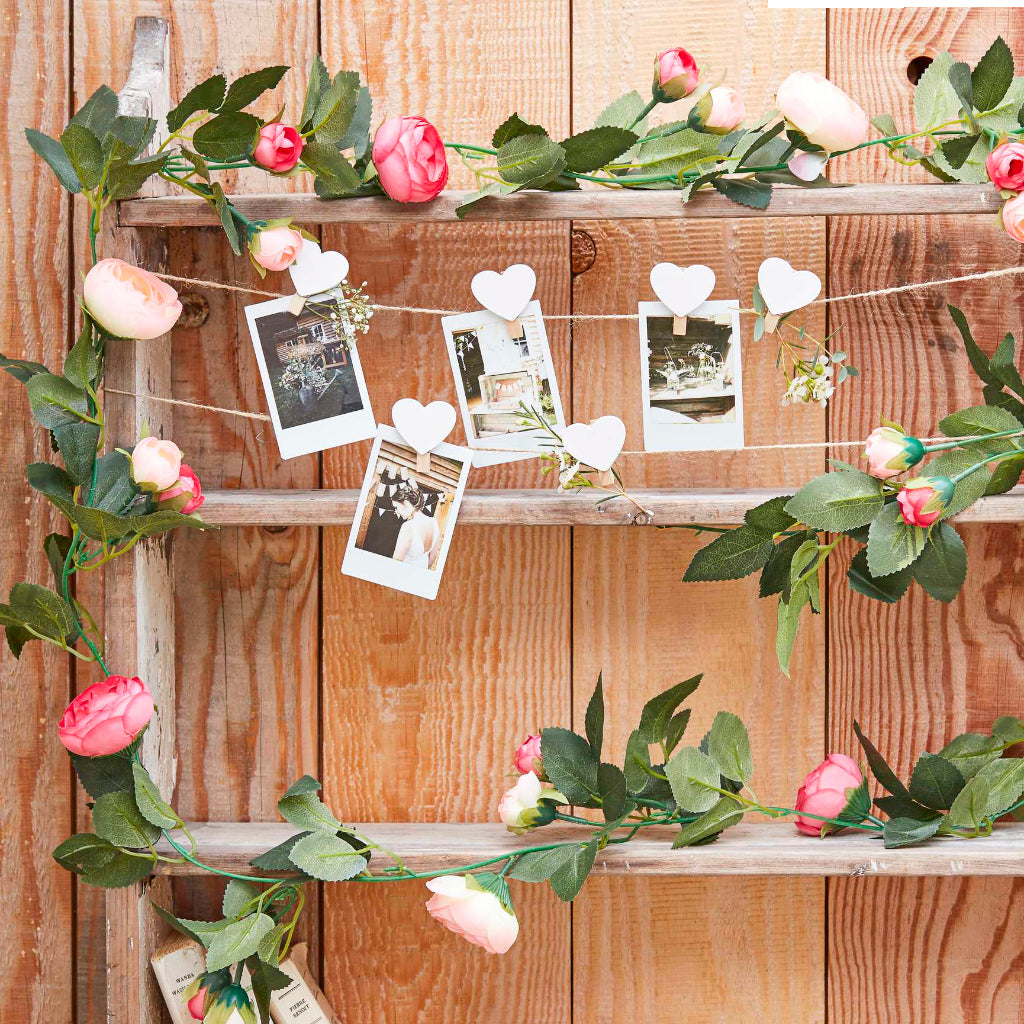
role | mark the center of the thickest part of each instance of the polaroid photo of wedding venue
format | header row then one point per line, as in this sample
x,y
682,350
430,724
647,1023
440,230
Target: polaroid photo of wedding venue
x,y
310,369
692,382
499,367
406,515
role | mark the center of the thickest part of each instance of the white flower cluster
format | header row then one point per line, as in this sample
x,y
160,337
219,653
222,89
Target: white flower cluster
x,y
813,383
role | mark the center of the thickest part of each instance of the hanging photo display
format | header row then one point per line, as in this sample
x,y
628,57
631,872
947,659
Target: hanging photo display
x,y
691,377
500,367
309,365
406,514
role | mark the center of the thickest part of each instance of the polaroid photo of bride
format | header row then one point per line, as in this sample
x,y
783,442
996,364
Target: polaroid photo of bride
x,y
406,515
311,375
499,367
691,382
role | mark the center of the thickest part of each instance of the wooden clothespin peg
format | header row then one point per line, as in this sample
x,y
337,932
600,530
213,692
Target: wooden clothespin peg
x,y
771,321
679,326
296,304
423,462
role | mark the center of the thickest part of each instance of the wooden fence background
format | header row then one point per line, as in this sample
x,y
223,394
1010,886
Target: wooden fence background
x,y
409,710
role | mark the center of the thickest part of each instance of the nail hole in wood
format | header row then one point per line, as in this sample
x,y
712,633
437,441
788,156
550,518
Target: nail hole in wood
x,y
584,252
916,68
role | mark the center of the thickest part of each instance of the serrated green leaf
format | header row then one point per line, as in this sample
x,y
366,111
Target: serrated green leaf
x,y
46,612
636,760
725,813
336,108
935,782
1008,729
992,75
22,370
771,515
908,831
124,179
694,778
1005,780
730,556
745,191
904,807
594,719
77,445
775,577
150,803
83,851
357,137
675,729
238,940
611,785
880,768
529,161
277,858
116,818
237,895
729,747
335,174
49,480
207,95
81,365
893,544
512,127
306,811
540,865
55,401
250,87
123,869
1004,365
887,589
590,150
942,566
569,764
327,856
971,751
978,360
967,491
114,489
969,808
84,153
227,136
837,501
788,623
175,922
53,153
568,879
97,113
109,774
658,711
56,547
980,420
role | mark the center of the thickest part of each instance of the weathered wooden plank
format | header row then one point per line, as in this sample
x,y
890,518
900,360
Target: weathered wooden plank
x,y
424,701
764,849
605,204
539,507
942,951
36,943
633,617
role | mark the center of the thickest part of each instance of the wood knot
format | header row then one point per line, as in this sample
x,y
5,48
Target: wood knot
x,y
583,252
195,310
643,519
275,529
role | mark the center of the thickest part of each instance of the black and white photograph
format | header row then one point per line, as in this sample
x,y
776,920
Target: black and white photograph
x,y
311,374
406,515
691,374
500,366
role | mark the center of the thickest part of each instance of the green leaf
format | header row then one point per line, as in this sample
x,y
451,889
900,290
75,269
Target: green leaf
x,y
1004,365
123,869
636,760
530,161
336,175
46,612
670,153
357,138
227,218
114,490
238,940
904,807
960,79
935,782
56,547
729,747
971,488
892,543
84,153
594,719
658,711
569,764
788,623
117,819
771,515
978,359
53,153
623,112
77,445
319,79
175,922
494,188
969,809
1008,729
540,865
250,87
49,480
879,768
611,785
775,576
888,589
266,978
97,113
237,895
227,136
336,108
327,857
691,773
908,831
971,751
21,369
1004,778
127,137
712,823
304,809
590,150
993,75
982,420
82,365
568,879
935,100
205,930
511,128
150,803
55,401
675,730
304,784
837,501
207,95
942,567
744,191
278,857
83,851
126,178
730,556
958,149
109,774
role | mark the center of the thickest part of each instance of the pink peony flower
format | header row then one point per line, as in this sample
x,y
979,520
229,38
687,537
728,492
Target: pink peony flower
x,y
826,792
924,499
727,110
675,75
278,148
807,166
276,248
527,756
130,302
822,111
156,464
1013,217
106,717
410,160
1005,166
477,915
185,496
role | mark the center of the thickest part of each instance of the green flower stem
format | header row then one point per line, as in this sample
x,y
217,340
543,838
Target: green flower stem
x,y
1015,454
947,445
651,104
225,874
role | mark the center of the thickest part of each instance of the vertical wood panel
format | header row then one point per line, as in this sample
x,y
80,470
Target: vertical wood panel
x,y
36,814
424,702
634,617
933,951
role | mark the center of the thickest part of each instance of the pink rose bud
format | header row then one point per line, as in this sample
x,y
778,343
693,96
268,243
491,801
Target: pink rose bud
x,y
276,248
924,499
106,717
822,111
807,166
826,792
675,75
130,302
527,756
890,452
278,148
529,804
156,464
185,496
727,110
462,906
410,160
1013,218
196,1004
1005,166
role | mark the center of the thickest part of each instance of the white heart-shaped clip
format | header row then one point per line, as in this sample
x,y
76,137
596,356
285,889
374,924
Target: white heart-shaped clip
x,y
682,289
785,289
424,427
597,443
505,294
314,271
